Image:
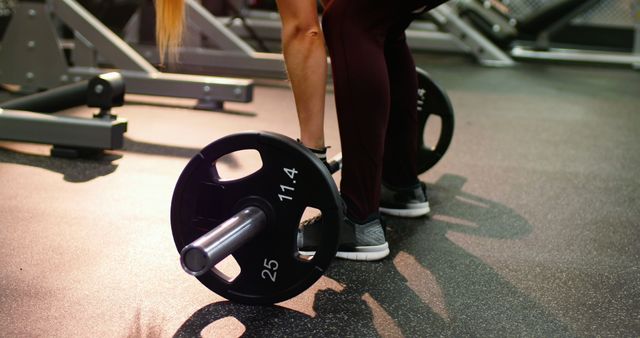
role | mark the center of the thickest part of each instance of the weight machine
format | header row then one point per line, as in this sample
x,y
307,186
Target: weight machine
x,y
231,55
27,119
34,56
547,31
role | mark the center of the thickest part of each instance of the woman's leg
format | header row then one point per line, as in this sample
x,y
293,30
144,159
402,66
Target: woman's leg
x,y
355,32
306,62
401,142
376,93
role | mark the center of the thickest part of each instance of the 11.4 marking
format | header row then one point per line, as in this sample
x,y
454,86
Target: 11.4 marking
x,y
291,173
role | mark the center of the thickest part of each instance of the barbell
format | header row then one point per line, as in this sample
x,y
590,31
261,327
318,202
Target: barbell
x,y
255,218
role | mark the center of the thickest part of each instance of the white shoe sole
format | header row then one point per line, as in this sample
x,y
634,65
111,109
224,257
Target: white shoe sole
x,y
362,253
366,253
415,211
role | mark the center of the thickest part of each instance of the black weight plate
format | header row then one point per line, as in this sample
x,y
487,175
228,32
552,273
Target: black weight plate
x,y
271,270
432,100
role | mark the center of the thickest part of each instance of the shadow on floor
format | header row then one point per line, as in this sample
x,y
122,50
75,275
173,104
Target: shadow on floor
x,y
273,321
148,148
432,286
79,170
73,170
428,286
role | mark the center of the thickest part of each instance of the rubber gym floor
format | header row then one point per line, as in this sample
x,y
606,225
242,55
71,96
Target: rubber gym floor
x,y
533,232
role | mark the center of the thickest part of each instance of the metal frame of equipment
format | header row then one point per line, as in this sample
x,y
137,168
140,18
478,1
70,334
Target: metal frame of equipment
x,y
27,119
233,56
543,48
34,56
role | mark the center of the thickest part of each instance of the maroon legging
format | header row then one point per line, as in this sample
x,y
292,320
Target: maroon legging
x,y
375,91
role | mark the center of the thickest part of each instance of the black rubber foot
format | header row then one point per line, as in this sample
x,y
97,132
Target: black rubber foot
x,y
209,105
66,152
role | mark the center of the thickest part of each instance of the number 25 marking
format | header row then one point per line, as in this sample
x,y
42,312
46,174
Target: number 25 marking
x,y
270,270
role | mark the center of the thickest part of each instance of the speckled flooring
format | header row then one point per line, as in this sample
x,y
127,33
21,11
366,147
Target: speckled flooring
x,y
533,232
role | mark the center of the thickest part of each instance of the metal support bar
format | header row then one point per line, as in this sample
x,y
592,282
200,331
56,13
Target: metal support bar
x,y
52,100
23,126
208,88
213,61
486,52
106,42
575,55
205,252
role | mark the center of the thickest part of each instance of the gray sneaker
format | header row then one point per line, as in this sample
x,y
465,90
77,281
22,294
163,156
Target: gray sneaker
x,y
404,202
358,242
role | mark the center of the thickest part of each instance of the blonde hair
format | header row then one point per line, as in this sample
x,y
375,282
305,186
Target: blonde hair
x,y
169,27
